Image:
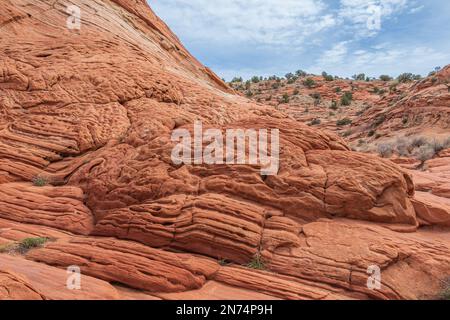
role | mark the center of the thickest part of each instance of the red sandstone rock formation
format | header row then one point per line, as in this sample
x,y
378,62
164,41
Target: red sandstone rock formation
x,y
90,112
423,108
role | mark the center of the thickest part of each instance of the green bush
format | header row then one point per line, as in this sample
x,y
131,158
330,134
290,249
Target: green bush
x,y
257,262
334,105
285,98
309,83
445,293
291,80
346,99
343,122
385,150
327,76
418,142
289,75
347,133
315,122
300,73
379,120
29,243
424,153
385,78
315,96
23,246
359,77
40,181
408,77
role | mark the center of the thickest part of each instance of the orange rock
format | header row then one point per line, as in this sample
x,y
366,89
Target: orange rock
x,y
131,264
431,209
60,207
21,279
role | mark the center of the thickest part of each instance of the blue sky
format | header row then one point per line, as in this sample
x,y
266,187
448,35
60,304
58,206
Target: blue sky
x,y
341,37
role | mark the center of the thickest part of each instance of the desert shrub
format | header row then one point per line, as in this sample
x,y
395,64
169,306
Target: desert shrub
x,y
424,153
393,87
29,243
418,142
408,77
347,133
327,76
359,77
315,122
257,262
309,83
248,93
445,293
385,78
236,79
291,80
402,147
379,120
289,75
338,89
437,145
300,73
371,133
23,246
405,120
447,143
276,85
334,105
343,122
346,99
39,181
223,262
385,150
285,98
296,92
315,96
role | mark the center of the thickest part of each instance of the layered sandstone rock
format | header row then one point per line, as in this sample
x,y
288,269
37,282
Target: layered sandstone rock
x,y
90,113
422,108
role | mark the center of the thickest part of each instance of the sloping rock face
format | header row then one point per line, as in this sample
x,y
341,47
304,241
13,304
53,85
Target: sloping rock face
x,y
422,108
89,114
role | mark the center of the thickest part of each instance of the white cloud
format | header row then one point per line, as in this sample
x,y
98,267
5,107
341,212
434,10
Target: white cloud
x,y
416,9
262,22
362,14
335,55
387,58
